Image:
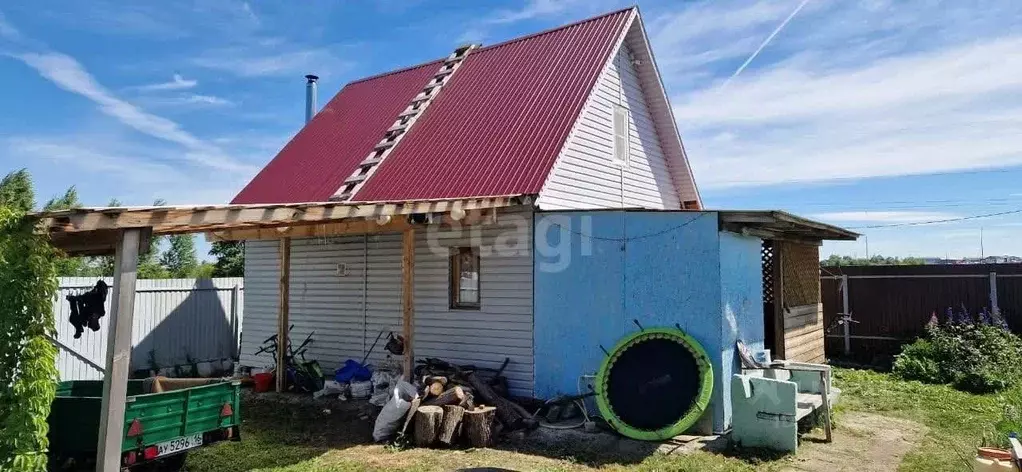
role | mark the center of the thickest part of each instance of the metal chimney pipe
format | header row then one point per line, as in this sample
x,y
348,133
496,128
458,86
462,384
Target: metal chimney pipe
x,y
310,97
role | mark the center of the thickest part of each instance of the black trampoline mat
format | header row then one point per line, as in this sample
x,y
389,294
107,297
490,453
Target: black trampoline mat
x,y
653,383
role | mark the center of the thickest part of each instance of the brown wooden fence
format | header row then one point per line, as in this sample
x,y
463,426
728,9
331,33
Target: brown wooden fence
x,y
890,305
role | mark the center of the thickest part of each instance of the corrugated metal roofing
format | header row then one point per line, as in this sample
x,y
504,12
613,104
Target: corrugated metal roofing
x,y
497,126
314,164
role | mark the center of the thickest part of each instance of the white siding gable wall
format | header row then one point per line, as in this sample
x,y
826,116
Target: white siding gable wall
x,y
586,174
331,304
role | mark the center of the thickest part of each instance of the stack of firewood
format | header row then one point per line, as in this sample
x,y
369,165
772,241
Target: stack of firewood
x,y
458,401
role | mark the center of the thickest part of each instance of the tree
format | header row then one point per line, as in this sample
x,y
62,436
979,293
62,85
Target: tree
x,y
179,258
28,371
69,266
64,202
149,266
835,261
230,259
16,192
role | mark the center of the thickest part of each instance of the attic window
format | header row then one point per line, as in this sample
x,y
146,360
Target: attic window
x,y
621,145
465,278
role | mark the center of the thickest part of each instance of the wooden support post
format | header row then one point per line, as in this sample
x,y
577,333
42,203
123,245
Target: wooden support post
x,y
825,393
284,312
993,293
846,313
118,351
779,331
408,300
235,325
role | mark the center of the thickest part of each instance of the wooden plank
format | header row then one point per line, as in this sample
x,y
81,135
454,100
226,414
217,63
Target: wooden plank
x,y
284,310
408,299
192,219
346,228
810,350
803,334
778,314
825,393
118,352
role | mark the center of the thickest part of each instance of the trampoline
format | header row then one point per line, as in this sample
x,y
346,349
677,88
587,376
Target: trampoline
x,y
654,384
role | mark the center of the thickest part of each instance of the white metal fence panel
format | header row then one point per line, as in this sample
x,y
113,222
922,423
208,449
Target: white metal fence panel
x,y
176,320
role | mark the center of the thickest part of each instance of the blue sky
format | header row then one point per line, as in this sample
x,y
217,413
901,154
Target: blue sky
x,y
856,113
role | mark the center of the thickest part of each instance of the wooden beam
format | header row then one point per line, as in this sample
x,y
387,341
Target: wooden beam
x,y
168,220
408,299
398,224
118,352
284,311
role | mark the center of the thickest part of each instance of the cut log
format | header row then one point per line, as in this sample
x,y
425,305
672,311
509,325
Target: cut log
x,y
513,416
478,426
468,402
435,389
451,424
427,425
430,379
451,396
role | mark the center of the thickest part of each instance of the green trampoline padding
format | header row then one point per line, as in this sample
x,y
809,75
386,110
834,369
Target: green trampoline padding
x,y
655,384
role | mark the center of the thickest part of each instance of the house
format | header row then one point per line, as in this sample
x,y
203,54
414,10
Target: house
x,y
563,212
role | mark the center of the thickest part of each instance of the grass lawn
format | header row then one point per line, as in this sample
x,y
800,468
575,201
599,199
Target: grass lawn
x,y
286,437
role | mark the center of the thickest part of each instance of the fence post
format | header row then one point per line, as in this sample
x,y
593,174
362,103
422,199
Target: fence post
x,y
236,343
847,318
993,293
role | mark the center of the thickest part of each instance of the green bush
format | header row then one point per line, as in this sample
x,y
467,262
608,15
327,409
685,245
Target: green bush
x,y
973,357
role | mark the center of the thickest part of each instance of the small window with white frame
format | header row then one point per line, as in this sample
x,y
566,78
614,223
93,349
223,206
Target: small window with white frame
x,y
621,144
465,278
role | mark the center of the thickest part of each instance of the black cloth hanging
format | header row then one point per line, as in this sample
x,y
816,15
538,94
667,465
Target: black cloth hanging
x,y
88,308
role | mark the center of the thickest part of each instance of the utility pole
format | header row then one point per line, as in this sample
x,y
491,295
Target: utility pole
x,y
982,252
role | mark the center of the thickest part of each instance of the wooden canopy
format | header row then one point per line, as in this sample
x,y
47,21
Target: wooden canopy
x,y
783,226
124,232
96,231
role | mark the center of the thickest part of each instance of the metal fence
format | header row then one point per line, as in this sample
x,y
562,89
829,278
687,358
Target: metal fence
x,y
890,305
176,321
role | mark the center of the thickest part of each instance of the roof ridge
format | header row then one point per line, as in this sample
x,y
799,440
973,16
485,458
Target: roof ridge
x,y
556,28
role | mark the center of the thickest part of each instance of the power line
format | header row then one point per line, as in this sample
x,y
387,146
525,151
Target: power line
x,y
932,222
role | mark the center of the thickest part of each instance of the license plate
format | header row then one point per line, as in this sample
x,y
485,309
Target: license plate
x,y
178,444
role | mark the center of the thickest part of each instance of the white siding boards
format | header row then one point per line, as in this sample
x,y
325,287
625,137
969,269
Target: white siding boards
x,y
331,304
588,174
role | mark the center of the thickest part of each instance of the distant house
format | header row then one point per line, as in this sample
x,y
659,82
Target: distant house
x,y
597,220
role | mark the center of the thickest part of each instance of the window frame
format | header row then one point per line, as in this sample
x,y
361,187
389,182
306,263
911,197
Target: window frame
x,y
454,266
621,158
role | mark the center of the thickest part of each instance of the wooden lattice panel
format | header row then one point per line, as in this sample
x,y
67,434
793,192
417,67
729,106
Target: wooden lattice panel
x,y
800,273
767,254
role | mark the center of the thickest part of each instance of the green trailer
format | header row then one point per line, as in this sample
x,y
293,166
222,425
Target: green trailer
x,y
163,419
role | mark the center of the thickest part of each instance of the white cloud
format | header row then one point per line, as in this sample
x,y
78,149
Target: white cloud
x,y
68,74
248,62
7,30
845,92
177,82
531,10
883,216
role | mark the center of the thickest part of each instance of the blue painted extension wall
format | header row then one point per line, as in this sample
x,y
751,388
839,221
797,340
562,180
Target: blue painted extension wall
x,y
596,271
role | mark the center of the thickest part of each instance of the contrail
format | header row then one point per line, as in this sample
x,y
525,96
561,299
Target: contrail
x,y
765,42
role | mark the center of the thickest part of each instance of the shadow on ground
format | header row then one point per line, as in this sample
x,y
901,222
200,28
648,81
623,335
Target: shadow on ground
x,y
279,431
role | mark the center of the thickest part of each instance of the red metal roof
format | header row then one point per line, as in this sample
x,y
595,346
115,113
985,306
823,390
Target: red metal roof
x,y
314,164
498,125
495,129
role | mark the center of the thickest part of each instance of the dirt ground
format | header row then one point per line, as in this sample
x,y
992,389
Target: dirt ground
x,y
863,442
